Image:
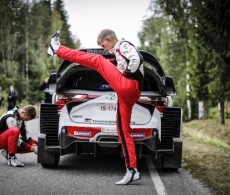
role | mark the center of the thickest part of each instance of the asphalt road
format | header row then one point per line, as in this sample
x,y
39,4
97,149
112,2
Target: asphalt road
x,y
88,175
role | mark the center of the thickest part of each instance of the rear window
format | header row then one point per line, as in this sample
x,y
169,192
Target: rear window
x,y
89,80
93,81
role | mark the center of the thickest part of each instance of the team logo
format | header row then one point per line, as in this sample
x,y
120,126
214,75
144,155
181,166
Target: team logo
x,y
88,120
111,97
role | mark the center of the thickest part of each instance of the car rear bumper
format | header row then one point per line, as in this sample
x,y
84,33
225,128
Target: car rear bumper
x,y
106,143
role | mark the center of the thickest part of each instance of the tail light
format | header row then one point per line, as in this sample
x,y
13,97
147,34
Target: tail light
x,y
64,99
155,101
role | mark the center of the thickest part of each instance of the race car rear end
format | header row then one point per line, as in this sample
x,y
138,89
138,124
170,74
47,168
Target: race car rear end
x,y
82,117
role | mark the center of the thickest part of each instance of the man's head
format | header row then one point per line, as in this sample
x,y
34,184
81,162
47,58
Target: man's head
x,y
107,39
11,88
27,113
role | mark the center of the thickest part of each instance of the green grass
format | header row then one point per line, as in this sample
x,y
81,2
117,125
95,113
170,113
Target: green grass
x,y
206,153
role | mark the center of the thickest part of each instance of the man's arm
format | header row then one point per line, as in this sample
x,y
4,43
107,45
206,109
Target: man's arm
x,y
130,53
11,122
27,141
26,137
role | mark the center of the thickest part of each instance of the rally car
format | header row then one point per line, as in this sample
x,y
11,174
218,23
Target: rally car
x,y
81,117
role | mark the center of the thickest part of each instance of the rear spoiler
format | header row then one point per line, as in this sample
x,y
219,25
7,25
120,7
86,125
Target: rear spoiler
x,y
148,57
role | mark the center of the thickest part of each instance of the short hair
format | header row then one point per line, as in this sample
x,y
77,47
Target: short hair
x,y
104,34
30,111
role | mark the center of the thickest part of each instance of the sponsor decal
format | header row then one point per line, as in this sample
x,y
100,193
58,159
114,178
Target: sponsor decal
x,y
105,86
97,51
138,134
109,130
77,116
82,133
88,120
103,121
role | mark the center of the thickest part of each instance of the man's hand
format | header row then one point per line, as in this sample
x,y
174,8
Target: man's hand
x,y
34,148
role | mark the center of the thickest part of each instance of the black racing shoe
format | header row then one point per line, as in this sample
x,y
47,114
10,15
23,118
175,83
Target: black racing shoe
x,y
5,153
13,161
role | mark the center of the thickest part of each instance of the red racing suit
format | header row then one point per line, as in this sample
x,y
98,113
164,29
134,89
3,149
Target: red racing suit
x,y
126,80
13,133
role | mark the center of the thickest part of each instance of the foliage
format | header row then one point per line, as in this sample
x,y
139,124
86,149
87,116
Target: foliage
x,y
25,31
192,37
160,38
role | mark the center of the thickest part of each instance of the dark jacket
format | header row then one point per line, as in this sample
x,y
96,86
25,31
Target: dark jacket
x,y
14,116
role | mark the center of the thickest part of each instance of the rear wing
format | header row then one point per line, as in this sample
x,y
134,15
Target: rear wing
x,y
166,85
148,57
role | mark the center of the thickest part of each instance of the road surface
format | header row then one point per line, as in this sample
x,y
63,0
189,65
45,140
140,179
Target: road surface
x,y
86,175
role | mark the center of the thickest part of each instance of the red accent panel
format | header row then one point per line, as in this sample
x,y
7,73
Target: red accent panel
x,y
89,132
83,132
160,109
59,107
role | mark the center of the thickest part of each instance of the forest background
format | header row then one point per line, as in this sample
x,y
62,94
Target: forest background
x,y
190,38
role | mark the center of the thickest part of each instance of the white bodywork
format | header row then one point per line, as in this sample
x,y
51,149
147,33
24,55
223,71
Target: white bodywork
x,y
101,112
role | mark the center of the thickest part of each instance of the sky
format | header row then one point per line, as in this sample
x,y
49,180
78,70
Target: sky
x,y
88,17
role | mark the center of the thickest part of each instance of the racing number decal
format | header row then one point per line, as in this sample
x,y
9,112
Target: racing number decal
x,y
108,108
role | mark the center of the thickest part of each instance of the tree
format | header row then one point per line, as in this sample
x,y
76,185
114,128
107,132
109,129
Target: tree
x,y
160,37
213,36
25,31
11,46
203,27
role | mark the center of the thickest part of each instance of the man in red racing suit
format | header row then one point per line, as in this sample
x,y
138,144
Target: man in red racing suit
x,y
14,137
126,80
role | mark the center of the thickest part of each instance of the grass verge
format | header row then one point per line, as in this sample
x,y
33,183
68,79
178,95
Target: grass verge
x,y
206,153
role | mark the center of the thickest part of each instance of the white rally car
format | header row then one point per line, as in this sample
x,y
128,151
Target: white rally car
x,y
81,117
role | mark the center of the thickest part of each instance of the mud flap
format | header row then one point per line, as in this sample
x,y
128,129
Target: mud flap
x,y
173,161
44,157
170,161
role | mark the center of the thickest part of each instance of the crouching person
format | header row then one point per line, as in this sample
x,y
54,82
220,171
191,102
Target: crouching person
x,y
14,137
